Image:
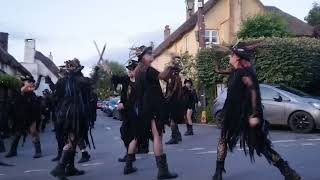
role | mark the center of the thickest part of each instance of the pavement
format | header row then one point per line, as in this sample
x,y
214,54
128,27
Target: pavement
x,y
193,159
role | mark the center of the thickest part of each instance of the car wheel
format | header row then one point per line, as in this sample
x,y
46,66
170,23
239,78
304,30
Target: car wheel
x,y
219,119
301,122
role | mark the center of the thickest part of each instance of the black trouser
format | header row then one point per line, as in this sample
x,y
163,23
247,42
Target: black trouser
x,y
270,154
60,135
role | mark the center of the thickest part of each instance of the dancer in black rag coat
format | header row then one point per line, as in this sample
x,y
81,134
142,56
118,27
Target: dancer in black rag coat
x,y
243,117
150,106
72,112
57,91
26,116
174,101
126,106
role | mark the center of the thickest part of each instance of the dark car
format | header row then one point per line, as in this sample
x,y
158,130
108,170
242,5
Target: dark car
x,y
110,107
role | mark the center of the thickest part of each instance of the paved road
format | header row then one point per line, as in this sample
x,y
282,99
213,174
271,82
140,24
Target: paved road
x,y
193,159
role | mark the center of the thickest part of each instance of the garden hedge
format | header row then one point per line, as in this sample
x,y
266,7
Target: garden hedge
x,y
293,62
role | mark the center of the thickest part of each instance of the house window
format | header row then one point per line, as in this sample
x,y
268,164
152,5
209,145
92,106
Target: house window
x,y
212,37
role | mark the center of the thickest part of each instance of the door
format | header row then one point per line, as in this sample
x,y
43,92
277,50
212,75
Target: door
x,y
273,105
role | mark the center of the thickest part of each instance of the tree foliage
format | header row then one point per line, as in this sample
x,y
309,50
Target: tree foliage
x,y
103,85
313,18
263,25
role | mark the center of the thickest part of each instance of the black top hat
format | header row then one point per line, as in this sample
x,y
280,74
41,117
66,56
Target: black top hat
x,y
28,78
142,50
132,64
188,81
242,51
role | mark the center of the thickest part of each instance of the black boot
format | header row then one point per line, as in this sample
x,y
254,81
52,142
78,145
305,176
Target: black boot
x,y
71,170
189,130
128,168
85,157
57,158
163,171
287,171
174,135
59,170
123,159
13,149
219,170
179,137
2,147
38,152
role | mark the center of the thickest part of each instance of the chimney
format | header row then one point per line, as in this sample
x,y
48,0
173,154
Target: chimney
x,y
29,50
50,56
167,32
4,41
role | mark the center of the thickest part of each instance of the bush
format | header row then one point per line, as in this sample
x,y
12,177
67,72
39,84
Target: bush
x,y
9,82
293,62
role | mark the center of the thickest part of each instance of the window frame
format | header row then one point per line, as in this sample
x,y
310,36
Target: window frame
x,y
211,31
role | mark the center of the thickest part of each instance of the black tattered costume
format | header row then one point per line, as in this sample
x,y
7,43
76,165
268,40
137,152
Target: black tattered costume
x,y
26,118
74,117
243,104
129,127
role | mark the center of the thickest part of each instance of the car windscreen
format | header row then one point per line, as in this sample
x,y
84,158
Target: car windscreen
x,y
293,91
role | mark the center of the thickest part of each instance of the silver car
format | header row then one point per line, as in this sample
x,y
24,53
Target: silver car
x,y
282,106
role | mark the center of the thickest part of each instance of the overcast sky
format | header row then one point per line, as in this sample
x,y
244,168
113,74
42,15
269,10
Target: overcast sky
x,y
67,28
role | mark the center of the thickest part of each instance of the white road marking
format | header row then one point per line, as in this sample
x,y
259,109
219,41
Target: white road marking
x,y
208,125
35,170
116,138
2,174
308,144
196,149
93,164
313,139
207,152
107,128
284,141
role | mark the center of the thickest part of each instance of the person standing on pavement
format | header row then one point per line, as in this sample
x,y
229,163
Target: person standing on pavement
x,y
174,102
26,117
128,129
243,117
150,107
189,104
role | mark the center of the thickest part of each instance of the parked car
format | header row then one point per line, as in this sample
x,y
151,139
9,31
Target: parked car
x,y
282,106
110,106
99,105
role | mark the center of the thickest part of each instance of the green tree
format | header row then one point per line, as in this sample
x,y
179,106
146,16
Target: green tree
x,y
313,17
263,25
103,85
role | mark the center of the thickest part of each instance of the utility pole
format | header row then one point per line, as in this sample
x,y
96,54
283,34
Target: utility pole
x,y
201,24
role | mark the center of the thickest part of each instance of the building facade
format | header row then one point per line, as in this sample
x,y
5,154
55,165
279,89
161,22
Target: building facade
x,y
39,64
222,19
